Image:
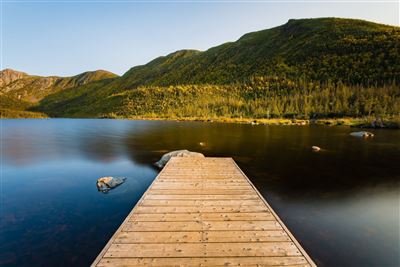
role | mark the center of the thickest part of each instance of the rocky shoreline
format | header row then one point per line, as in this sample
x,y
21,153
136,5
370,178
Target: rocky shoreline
x,y
367,123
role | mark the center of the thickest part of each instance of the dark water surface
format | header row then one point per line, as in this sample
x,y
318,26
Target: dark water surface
x,y
342,203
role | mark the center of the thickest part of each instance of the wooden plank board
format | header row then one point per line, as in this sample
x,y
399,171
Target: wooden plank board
x,y
202,197
200,191
202,212
195,186
205,179
201,225
250,249
246,236
202,236
216,216
201,177
185,209
159,237
201,203
292,261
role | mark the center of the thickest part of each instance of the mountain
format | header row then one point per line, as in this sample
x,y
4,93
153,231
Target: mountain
x,y
295,69
34,88
353,51
19,91
8,76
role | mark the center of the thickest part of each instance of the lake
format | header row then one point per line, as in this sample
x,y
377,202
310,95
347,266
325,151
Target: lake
x,y
341,203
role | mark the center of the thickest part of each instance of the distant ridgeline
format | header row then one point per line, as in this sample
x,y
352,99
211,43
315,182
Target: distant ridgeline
x,y
306,68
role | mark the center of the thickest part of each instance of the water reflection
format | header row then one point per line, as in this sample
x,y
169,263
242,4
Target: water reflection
x,y
281,156
341,203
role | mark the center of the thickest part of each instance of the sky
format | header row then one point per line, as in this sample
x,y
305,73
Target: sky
x,y
65,38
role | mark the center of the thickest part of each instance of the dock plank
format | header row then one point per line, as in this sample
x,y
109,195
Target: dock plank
x,y
201,197
216,216
250,249
202,237
202,203
201,225
201,192
209,261
202,212
185,209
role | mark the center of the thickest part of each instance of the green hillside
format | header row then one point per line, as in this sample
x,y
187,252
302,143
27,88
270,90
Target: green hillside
x,y
306,68
354,51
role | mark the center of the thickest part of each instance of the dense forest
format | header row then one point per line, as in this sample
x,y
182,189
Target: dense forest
x,y
308,68
263,98
260,97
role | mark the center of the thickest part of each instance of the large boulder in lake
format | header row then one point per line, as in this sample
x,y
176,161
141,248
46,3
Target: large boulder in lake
x,y
178,153
316,148
104,184
362,134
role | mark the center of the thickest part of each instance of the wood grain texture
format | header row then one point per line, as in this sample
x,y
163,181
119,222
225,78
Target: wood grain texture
x,y
206,261
202,212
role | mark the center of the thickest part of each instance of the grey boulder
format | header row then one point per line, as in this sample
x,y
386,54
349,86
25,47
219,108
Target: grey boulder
x,y
178,153
362,134
104,184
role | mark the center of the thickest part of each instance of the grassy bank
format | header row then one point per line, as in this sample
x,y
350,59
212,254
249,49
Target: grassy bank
x,y
21,114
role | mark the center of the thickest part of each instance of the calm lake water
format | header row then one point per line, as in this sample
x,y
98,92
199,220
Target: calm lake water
x,y
342,203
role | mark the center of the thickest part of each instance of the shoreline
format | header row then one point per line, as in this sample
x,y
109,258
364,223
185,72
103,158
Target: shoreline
x,y
391,123
366,122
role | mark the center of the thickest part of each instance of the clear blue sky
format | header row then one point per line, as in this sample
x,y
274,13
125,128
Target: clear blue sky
x,y
67,38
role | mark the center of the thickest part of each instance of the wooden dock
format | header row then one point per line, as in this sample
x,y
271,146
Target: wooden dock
x,y
202,212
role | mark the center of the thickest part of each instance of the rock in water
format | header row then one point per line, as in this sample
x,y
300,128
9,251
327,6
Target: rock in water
x,y
178,153
362,134
316,148
104,184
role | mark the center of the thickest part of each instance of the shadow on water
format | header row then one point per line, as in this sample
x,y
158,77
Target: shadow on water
x,y
342,203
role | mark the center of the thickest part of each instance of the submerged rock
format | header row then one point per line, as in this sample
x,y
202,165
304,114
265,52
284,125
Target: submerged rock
x,y
316,148
362,134
104,184
178,153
